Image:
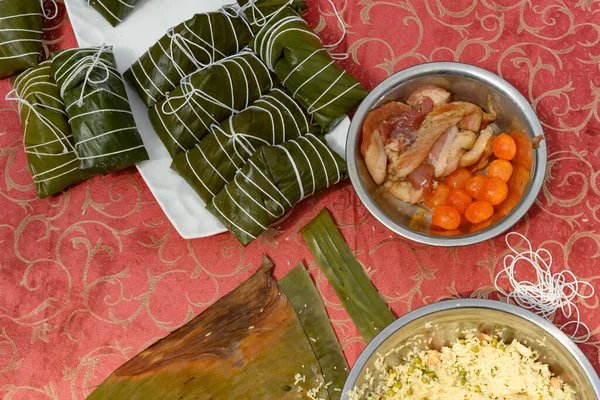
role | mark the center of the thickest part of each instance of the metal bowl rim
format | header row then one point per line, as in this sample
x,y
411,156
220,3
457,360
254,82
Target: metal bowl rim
x,y
446,305
446,68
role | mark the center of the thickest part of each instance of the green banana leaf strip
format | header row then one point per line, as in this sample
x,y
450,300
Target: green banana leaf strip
x,y
273,181
350,282
191,45
208,97
295,53
248,345
47,138
106,137
302,294
20,35
114,11
272,119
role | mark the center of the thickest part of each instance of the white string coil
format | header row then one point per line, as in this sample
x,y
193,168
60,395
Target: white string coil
x,y
550,292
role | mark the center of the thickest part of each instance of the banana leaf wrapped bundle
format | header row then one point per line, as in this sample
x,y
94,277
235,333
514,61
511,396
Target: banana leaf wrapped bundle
x,y
213,163
295,53
248,345
186,48
208,97
20,35
274,179
47,137
106,137
114,11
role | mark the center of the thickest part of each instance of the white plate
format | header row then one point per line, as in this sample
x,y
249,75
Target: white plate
x,y
148,22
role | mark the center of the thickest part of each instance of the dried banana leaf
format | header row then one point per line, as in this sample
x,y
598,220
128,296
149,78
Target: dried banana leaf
x,y
208,97
106,137
213,163
295,53
274,179
302,294
114,11
191,45
47,137
350,282
20,35
248,345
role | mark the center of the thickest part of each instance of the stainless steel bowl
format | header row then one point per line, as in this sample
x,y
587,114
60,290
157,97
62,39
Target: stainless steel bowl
x,y
467,83
444,322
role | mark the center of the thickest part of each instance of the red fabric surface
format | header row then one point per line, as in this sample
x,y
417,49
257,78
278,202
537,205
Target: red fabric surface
x,y
92,276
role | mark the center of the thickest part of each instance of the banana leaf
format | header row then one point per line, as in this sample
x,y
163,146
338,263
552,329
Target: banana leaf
x,y
295,53
303,296
259,12
114,11
47,137
208,97
106,137
272,119
248,345
274,179
191,45
20,35
365,306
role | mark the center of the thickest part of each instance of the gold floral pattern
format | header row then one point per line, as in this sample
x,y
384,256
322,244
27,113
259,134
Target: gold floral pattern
x,y
93,276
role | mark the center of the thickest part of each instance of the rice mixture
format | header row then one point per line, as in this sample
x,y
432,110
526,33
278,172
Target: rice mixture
x,y
475,368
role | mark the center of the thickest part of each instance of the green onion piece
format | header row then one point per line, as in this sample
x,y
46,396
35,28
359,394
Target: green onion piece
x,y
351,284
306,301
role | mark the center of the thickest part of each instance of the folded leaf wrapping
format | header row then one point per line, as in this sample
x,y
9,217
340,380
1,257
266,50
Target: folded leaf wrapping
x,y
47,137
208,97
114,11
106,137
191,45
303,296
20,35
272,119
248,345
295,53
346,275
274,179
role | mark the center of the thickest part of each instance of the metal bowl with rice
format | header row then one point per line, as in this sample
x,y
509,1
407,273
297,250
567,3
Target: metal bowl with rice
x,y
442,323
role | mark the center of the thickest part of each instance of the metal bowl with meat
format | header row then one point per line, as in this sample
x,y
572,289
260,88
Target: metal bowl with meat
x,y
446,154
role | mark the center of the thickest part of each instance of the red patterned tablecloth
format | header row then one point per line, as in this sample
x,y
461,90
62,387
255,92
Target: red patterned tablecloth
x,y
92,276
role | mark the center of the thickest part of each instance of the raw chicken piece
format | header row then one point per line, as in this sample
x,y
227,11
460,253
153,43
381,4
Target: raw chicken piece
x,y
490,116
437,122
437,95
376,158
376,116
480,150
405,191
373,142
471,122
447,151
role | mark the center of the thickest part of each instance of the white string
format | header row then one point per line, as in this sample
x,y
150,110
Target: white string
x,y
109,10
262,20
550,292
13,96
87,64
